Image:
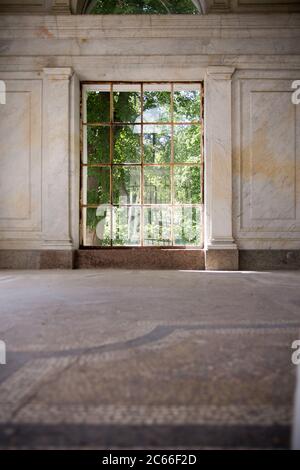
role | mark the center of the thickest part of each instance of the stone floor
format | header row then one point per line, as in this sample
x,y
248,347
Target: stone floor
x,y
147,359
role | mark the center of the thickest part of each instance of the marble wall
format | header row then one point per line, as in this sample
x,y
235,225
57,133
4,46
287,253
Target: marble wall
x,y
247,63
266,160
250,6
38,7
21,162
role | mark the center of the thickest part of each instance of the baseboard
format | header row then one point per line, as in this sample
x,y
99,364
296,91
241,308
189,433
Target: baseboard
x,y
140,258
222,260
152,258
36,259
267,260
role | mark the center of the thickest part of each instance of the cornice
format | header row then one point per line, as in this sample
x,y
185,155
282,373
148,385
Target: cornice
x,y
220,72
72,26
58,73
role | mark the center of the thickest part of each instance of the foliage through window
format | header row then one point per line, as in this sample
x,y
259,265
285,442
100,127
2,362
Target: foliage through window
x,y
135,7
142,164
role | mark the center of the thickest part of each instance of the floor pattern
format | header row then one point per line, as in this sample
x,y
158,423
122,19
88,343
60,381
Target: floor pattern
x,y
133,359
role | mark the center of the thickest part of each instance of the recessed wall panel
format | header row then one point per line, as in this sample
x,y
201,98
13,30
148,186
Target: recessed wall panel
x,y
20,160
272,156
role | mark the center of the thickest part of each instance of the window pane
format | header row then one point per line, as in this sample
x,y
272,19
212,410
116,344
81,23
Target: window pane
x,y
97,226
157,144
187,182
157,226
145,7
126,184
187,103
187,143
98,106
127,144
98,141
126,226
133,133
157,103
157,185
187,222
98,185
127,103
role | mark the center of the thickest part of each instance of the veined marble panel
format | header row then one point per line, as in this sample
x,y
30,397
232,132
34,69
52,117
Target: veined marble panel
x,y
20,162
266,163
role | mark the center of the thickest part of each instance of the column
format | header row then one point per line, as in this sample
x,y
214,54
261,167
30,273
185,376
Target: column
x,y
56,158
221,250
61,7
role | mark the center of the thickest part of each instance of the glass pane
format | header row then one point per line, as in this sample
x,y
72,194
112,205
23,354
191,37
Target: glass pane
x,y
115,181
98,185
98,106
157,185
127,144
187,143
145,7
187,225
126,184
157,226
127,103
97,226
98,141
187,103
157,103
126,226
157,144
187,184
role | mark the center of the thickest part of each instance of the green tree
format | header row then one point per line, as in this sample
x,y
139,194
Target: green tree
x,y
134,7
126,138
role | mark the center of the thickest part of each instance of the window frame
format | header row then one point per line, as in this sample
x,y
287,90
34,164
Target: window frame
x,y
92,86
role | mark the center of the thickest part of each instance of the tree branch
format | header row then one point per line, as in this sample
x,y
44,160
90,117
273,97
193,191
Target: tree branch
x,y
165,6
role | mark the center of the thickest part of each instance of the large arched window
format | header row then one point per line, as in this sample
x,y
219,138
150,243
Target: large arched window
x,y
104,7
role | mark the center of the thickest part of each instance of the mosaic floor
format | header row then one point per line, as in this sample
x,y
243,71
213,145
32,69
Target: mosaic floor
x,y
147,359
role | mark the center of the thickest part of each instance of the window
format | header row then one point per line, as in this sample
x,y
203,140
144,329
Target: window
x,y
142,164
124,7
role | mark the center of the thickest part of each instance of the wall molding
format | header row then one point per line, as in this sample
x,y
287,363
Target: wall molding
x,y
266,216
99,26
24,217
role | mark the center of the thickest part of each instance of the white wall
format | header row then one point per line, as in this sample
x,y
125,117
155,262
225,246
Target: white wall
x,y
29,7
21,162
252,128
266,158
